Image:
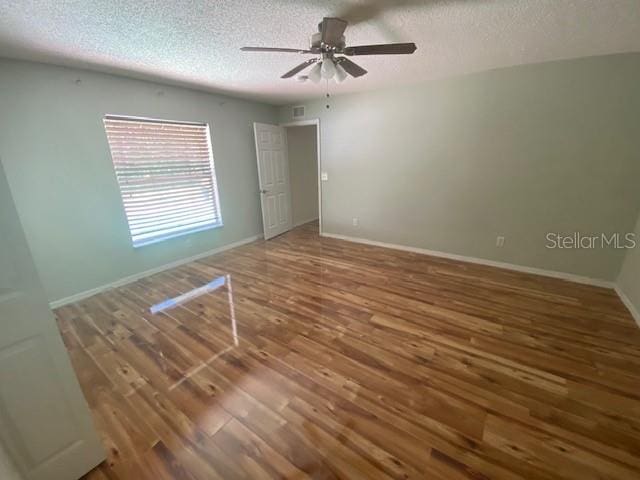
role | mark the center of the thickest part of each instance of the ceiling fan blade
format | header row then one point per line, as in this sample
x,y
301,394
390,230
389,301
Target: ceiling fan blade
x,y
332,30
299,68
350,67
383,49
274,49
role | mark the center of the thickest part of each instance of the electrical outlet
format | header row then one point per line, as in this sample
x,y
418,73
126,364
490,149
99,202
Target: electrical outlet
x,y
500,241
355,221
324,176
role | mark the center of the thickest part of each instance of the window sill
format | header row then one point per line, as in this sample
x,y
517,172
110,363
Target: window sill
x,y
151,241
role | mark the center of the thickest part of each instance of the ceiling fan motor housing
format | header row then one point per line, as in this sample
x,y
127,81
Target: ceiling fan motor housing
x,y
316,43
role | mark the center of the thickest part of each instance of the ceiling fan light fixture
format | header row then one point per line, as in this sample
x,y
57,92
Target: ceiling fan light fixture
x,y
315,73
328,69
341,74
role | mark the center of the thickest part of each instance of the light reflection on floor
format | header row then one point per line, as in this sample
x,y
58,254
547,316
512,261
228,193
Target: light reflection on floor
x,y
210,287
190,295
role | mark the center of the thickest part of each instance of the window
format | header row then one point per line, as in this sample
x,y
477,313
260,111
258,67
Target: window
x,y
166,175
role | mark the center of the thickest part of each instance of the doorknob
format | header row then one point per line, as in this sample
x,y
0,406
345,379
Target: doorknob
x,y
264,191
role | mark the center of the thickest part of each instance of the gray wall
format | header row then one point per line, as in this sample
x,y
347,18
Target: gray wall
x,y
8,471
629,278
302,145
56,157
448,165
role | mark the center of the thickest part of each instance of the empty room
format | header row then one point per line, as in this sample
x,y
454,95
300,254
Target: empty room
x,y
320,240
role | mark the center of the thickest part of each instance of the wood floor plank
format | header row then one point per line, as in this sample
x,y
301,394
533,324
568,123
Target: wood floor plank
x,y
317,358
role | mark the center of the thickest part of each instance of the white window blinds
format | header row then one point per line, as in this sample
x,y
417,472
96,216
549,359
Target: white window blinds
x,y
166,175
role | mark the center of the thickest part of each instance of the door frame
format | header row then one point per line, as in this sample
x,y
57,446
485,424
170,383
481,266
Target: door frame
x,y
316,122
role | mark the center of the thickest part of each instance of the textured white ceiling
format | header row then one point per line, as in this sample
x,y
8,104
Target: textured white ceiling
x,y
197,42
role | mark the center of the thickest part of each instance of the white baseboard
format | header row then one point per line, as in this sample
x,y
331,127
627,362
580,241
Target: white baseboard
x,y
302,222
629,304
481,261
137,276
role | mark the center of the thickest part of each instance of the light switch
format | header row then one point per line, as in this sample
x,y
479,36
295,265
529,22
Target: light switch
x,y
324,176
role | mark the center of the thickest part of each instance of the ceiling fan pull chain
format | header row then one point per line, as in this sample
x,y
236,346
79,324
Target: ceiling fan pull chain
x,y
328,96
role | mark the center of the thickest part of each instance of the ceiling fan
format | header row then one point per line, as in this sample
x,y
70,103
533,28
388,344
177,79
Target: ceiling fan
x,y
329,42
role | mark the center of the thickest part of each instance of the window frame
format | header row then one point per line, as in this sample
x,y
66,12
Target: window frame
x,y
214,179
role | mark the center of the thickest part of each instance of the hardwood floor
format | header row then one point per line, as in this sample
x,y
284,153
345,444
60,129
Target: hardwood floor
x,y
308,357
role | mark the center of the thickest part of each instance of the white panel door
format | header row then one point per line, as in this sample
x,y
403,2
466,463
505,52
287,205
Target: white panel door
x,y
273,175
44,420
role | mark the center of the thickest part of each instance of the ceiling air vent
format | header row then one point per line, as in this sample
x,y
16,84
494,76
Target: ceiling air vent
x,y
298,112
